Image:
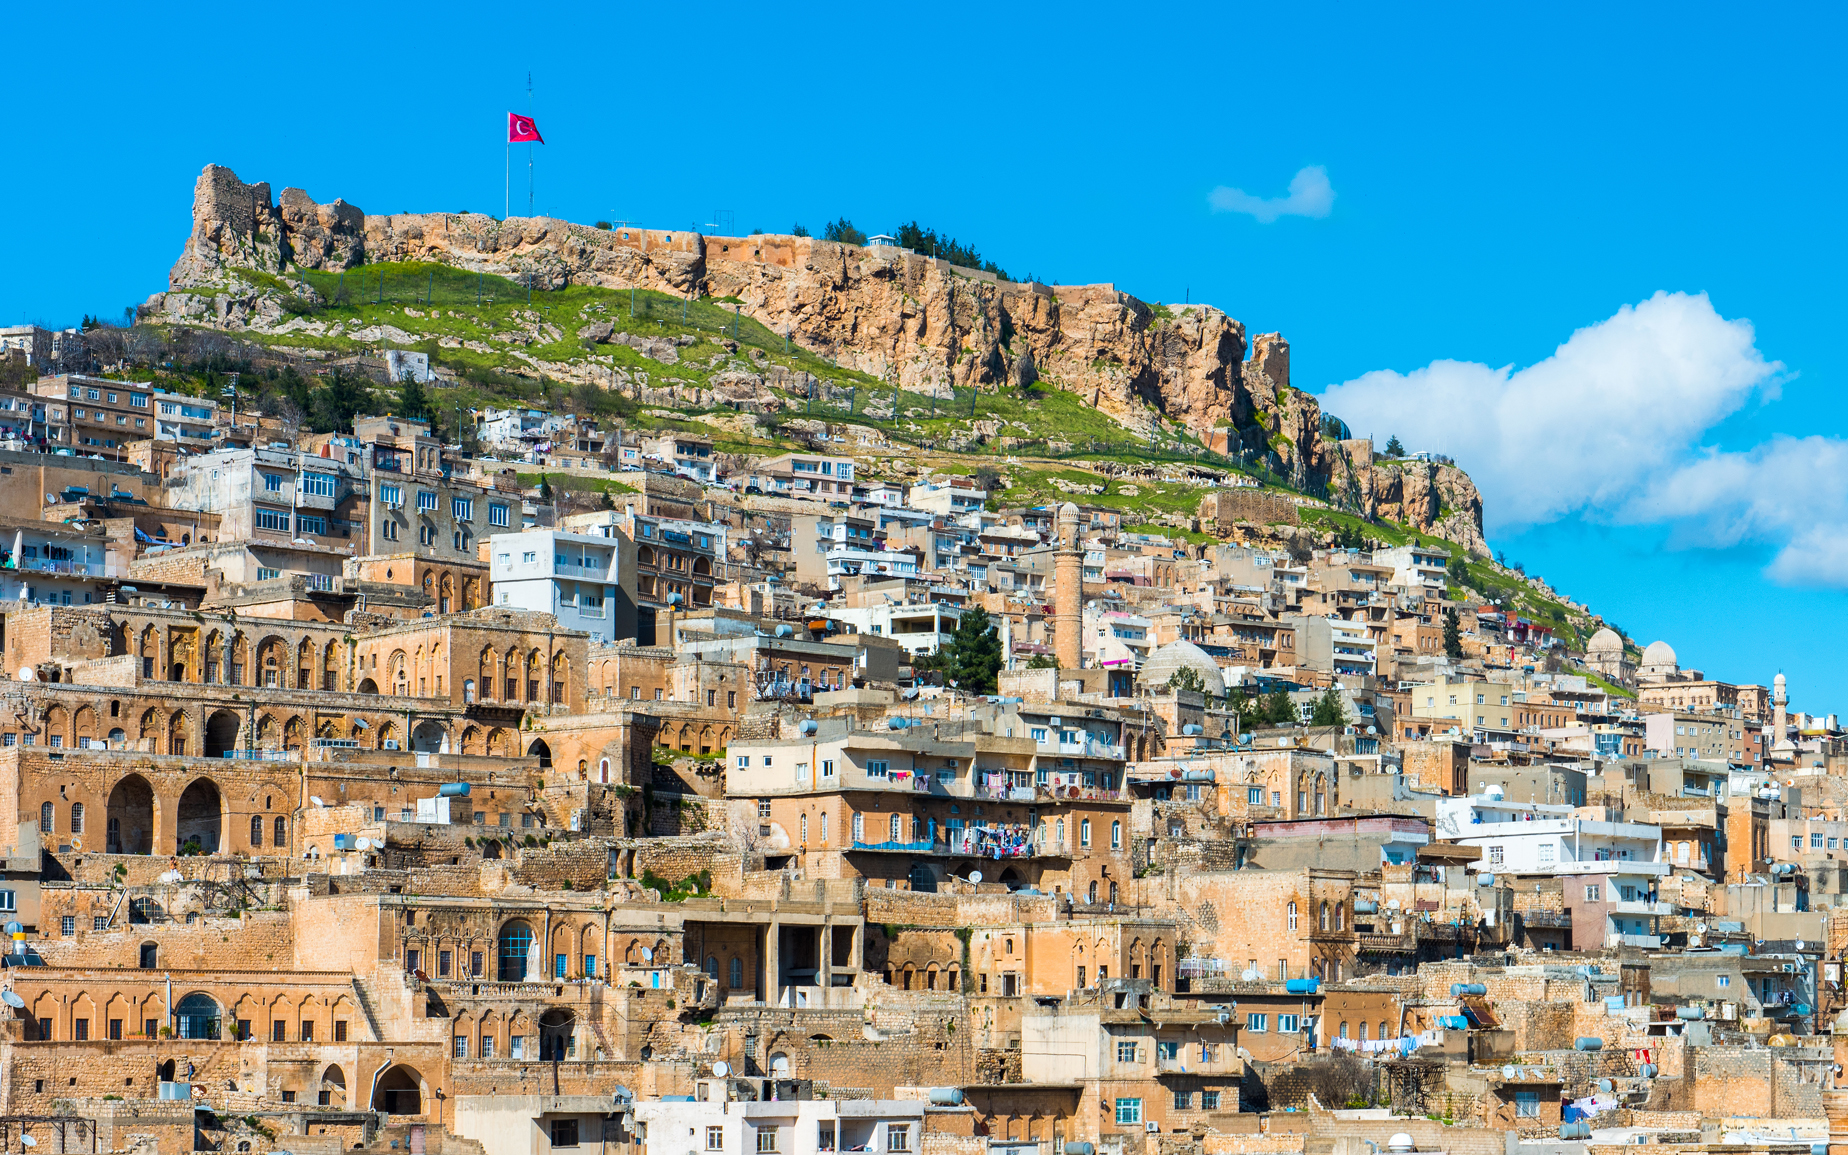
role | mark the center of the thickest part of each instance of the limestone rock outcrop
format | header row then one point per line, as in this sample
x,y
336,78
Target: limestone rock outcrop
x,y
921,322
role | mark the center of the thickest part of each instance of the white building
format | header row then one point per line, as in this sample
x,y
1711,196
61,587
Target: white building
x,y
921,628
571,575
1416,566
1113,638
947,499
187,420
707,1124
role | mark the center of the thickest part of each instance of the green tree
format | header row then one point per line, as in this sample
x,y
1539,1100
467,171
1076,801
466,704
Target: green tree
x,y
1453,635
337,402
413,401
1279,710
545,489
1187,678
973,657
1393,448
1043,662
842,230
1329,710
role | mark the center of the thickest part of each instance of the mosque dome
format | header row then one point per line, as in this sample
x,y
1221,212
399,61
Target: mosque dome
x,y
1605,641
1660,654
1165,662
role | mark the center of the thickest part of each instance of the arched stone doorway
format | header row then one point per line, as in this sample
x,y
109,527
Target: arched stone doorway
x,y
368,686
923,879
220,733
430,738
197,1016
400,1092
333,1088
516,950
200,819
130,817
542,752
555,1038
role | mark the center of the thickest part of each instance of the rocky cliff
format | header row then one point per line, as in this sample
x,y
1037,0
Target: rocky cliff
x,y
907,318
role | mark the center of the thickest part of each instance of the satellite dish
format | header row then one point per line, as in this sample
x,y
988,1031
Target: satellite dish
x,y
721,1068
1701,927
647,954
975,876
27,1141
12,999
26,674
1251,975
1799,944
316,800
1693,940
362,844
1510,1071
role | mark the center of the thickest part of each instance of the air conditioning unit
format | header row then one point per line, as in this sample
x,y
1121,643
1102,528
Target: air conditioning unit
x,y
1152,1127
391,743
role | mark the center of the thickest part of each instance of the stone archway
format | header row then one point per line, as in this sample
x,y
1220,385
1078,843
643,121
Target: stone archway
x,y
130,817
200,818
430,738
220,733
542,752
400,1092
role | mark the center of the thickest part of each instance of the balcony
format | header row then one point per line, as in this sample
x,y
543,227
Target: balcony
x,y
1641,907
897,847
1642,941
1385,943
1545,919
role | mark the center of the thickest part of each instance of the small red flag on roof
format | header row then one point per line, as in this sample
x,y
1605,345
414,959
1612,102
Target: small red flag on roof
x,y
522,129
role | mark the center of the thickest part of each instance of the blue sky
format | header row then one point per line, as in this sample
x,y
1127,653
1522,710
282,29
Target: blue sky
x,y
1496,182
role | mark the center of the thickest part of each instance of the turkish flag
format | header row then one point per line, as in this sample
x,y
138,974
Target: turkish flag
x,y
522,129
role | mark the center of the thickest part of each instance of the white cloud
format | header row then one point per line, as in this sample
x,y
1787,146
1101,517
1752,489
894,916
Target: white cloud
x,y
1612,426
1310,196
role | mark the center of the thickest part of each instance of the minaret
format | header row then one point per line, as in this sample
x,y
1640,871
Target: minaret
x,y
1068,592
1780,731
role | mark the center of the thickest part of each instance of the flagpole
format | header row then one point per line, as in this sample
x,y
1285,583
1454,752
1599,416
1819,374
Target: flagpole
x,y
507,183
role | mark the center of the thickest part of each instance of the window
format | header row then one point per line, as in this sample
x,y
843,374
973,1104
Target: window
x,y
497,514
426,501
766,1141
715,1138
1254,795
487,1046
272,483
1286,1024
272,519
1591,894
1084,833
564,1132
318,484
1495,856
1527,1104
1815,842
1209,1100
68,925
1129,1112
877,769
1183,1100
1039,733
898,1137
895,829
827,767
314,525
462,508
100,922
47,819
1116,836
1257,1024
1127,1050
1724,981
737,973
138,400
744,760
1290,913
1547,850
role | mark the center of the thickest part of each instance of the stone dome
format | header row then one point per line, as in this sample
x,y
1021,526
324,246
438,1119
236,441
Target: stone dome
x,y
1659,654
1605,641
1163,664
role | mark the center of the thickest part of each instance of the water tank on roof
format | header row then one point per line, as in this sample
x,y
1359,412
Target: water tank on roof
x,y
1485,879
807,727
452,790
1493,791
897,723
1193,729
1301,986
1690,1014
945,1097
1588,1043
1401,1142
1196,775
1453,1022
1575,1130
1458,990
1079,1147
1647,1070
786,631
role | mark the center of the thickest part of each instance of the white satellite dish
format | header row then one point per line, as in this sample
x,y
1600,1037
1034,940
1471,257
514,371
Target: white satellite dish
x,y
975,876
362,844
647,954
1251,975
1510,1071
26,674
1693,940
1701,927
12,999
316,800
721,1068
27,1141
1799,944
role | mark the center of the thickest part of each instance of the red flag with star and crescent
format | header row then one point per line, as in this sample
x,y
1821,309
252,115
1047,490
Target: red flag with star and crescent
x,y
522,129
